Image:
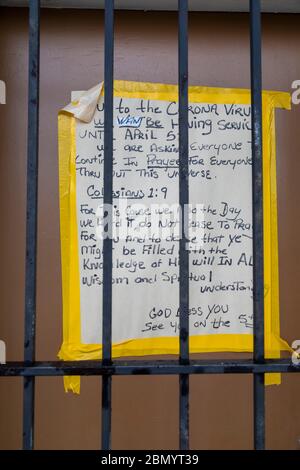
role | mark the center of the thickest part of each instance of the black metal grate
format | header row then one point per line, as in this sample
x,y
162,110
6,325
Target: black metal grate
x,y
30,368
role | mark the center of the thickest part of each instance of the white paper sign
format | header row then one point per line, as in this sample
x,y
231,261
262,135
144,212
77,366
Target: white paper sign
x,y
146,186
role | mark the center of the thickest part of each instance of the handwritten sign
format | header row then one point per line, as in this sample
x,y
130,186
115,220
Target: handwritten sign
x,y
145,268
146,222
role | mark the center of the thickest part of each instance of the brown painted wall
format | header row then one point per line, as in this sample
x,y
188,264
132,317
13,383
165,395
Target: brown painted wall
x,y
145,409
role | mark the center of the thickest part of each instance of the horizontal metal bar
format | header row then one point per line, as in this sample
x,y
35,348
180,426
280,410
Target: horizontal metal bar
x,y
268,6
56,368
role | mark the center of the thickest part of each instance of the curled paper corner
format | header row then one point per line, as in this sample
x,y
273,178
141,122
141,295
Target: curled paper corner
x,y
84,108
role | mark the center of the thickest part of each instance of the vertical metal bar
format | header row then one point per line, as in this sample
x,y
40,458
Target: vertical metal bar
x,y
106,411
108,199
31,218
183,200
257,200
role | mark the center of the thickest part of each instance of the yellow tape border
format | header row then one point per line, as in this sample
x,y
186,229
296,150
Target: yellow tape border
x,y
72,349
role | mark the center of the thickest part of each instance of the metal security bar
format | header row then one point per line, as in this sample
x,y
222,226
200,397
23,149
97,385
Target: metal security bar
x,y
183,201
108,199
257,217
183,367
31,222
